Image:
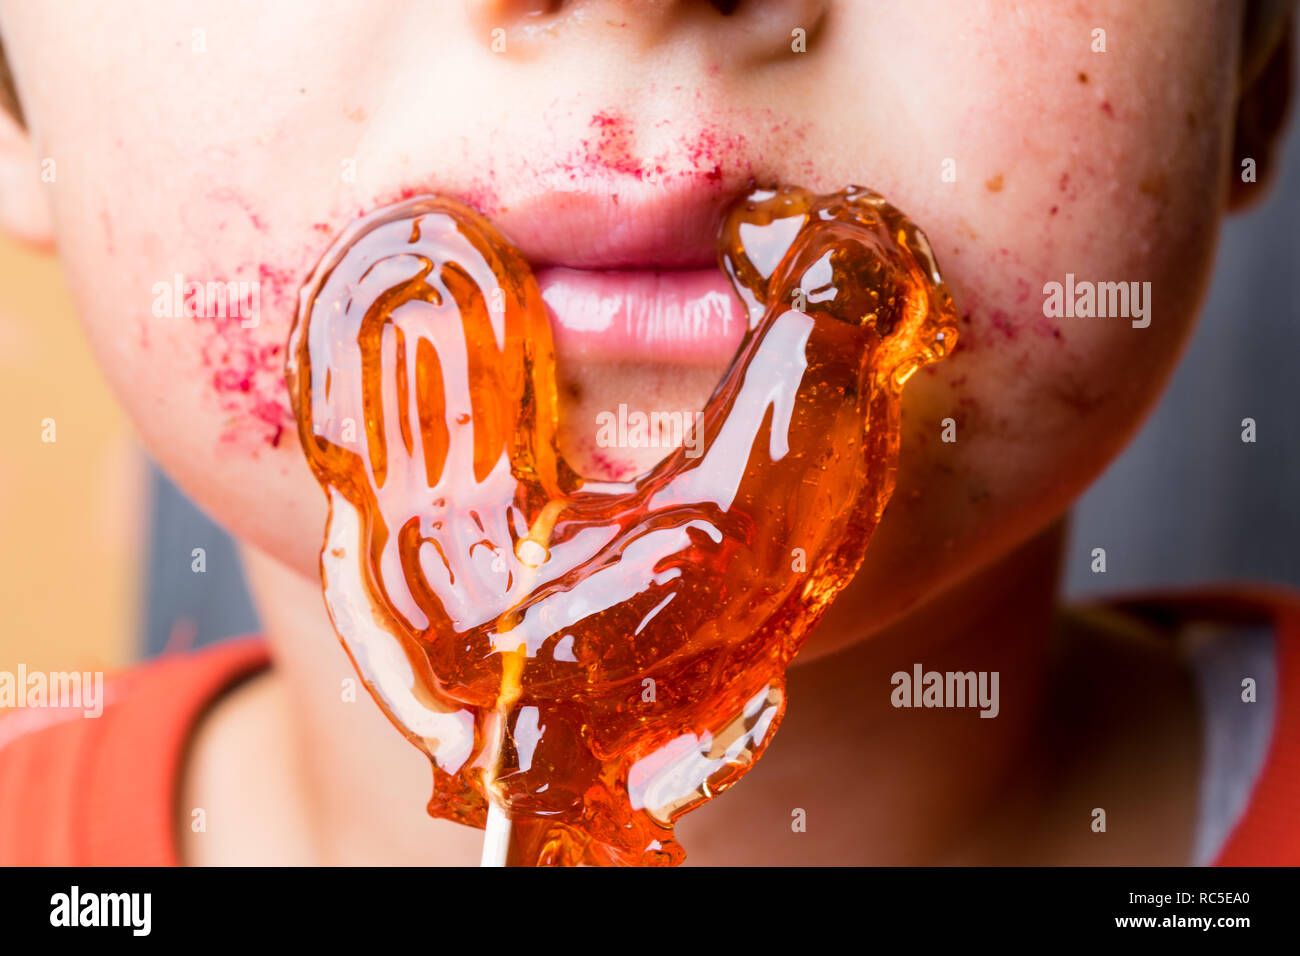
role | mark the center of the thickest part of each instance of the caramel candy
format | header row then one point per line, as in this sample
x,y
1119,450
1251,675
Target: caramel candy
x,y
598,657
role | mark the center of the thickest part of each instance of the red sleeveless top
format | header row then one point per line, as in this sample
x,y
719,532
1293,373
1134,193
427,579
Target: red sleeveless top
x,y
104,791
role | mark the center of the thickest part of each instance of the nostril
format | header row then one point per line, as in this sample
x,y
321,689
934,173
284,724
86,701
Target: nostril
x,y
751,32
509,9
509,19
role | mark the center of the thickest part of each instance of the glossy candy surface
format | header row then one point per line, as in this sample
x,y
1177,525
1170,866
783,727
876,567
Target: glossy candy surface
x,y
598,657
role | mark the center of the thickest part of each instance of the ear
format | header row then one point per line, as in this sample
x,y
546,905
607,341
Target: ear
x,y
1263,101
24,207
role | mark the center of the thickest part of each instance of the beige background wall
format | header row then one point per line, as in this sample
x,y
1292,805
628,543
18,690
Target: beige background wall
x,y
71,511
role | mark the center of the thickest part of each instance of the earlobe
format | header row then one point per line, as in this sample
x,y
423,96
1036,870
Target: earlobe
x,y
24,207
1261,113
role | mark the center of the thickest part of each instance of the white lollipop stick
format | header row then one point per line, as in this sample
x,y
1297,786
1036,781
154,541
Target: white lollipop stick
x,y
496,838
531,552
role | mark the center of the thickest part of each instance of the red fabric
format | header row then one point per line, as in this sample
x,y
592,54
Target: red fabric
x,y
1268,833
101,791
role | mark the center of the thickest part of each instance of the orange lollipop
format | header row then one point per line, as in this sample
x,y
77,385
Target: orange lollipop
x,y
596,658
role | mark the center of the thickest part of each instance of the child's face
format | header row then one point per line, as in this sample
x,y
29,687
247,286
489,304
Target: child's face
x,y
234,140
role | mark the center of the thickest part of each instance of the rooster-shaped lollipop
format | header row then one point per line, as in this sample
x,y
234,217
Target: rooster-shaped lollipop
x,y
595,658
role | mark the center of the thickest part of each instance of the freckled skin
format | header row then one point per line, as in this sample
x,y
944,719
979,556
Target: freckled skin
x,y
239,173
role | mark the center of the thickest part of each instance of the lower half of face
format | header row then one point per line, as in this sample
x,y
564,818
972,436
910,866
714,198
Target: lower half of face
x,y
1035,146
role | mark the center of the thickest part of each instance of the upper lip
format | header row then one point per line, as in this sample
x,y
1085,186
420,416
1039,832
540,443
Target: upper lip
x,y
619,222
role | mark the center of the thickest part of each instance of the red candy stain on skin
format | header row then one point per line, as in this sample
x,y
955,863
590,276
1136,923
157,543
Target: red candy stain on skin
x,y
482,195
611,147
965,342
479,193
1047,330
705,152
606,468
243,354
1002,322
608,148
986,324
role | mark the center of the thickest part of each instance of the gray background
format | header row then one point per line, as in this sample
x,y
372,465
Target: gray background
x,y
1188,503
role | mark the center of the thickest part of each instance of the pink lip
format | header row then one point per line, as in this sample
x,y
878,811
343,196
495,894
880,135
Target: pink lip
x,y
628,269
619,222
680,317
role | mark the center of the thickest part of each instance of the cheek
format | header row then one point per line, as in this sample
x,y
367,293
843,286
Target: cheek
x,y
191,330
1039,404
1000,438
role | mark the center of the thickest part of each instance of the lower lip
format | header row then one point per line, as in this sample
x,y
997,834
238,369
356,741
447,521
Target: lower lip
x,y
677,317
